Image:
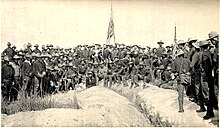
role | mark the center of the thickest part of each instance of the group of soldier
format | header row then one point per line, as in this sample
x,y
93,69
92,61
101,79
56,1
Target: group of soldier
x,y
190,65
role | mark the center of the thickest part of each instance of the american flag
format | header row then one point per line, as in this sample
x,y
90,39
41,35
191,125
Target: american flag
x,y
110,32
175,46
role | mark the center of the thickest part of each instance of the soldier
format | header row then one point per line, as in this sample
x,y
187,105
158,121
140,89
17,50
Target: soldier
x,y
28,49
191,48
36,50
167,83
180,67
214,38
71,76
196,77
160,49
26,75
9,51
207,79
7,79
17,75
133,71
39,71
109,77
90,80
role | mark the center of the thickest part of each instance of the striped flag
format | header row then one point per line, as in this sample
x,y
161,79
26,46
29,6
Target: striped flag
x,y
175,46
110,32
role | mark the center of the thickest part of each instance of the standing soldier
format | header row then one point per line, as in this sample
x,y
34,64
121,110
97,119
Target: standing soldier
x,y
17,81
214,38
160,49
7,79
181,68
133,71
200,91
9,51
28,49
39,71
207,79
36,50
26,75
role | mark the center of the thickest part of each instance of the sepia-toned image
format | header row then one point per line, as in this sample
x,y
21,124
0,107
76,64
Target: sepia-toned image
x,y
110,63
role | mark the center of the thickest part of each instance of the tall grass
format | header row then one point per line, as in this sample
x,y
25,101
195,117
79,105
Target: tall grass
x,y
35,103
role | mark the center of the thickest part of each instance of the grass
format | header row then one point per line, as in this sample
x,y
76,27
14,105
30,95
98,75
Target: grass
x,y
35,103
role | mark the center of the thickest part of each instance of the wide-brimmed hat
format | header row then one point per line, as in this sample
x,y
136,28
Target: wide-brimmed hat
x,y
203,43
36,45
16,57
195,44
213,34
160,42
191,40
181,42
20,53
180,52
169,68
28,56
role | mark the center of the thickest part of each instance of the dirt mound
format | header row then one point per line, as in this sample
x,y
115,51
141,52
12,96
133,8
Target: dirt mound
x,y
164,102
98,107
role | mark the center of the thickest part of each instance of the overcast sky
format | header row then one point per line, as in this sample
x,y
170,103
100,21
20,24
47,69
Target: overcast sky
x,y
68,23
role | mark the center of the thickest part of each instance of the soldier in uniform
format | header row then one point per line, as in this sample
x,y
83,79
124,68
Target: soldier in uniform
x,y
133,71
39,71
207,79
160,49
36,50
9,51
26,74
196,77
28,49
214,38
90,80
17,75
181,68
7,80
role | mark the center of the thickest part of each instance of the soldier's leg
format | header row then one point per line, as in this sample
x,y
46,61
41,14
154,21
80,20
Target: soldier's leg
x,y
118,78
205,91
136,80
125,84
132,81
36,83
105,81
180,97
110,81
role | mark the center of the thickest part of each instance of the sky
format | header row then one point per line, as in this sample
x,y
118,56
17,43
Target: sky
x,y
69,23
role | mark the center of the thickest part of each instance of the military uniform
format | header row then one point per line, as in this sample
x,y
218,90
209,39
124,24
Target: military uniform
x,y
181,67
7,79
39,70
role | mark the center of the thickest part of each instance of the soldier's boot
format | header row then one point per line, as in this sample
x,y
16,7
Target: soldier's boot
x,y
209,113
180,104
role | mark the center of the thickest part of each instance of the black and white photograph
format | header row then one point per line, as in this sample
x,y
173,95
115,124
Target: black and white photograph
x,y
110,63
